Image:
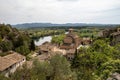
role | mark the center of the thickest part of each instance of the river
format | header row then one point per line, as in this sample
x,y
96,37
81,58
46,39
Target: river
x,y
41,40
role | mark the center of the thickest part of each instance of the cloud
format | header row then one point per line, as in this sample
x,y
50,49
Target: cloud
x,y
68,0
60,11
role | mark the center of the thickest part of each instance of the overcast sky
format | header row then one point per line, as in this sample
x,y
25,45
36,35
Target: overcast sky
x,y
60,11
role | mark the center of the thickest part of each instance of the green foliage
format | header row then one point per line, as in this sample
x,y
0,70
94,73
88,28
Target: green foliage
x,y
0,38
109,67
116,54
88,32
37,33
21,74
23,50
4,29
58,68
32,47
97,62
41,71
2,77
6,45
12,39
58,39
61,68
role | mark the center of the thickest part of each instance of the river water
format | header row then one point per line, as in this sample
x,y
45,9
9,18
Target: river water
x,y
41,40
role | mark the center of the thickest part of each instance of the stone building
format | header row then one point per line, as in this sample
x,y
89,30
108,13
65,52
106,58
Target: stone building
x,y
71,41
86,41
46,48
9,63
70,54
113,34
71,44
106,33
115,37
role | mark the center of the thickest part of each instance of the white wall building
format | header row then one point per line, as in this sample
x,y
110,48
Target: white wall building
x,y
9,63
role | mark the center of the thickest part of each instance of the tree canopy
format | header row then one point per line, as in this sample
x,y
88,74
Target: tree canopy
x,y
97,62
12,39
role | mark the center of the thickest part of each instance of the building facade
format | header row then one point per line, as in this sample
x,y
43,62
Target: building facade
x,y
9,63
70,44
71,41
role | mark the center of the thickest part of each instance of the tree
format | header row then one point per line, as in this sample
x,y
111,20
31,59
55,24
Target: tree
x,y
89,61
24,50
32,46
23,73
109,68
2,77
61,69
58,39
6,45
12,39
41,70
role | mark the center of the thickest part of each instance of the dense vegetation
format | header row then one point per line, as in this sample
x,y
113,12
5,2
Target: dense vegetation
x,y
88,32
97,62
58,68
58,39
37,33
12,39
82,32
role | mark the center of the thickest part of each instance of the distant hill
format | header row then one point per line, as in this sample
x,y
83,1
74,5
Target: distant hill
x,y
32,25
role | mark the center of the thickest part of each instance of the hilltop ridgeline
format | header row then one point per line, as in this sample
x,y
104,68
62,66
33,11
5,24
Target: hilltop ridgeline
x,y
44,25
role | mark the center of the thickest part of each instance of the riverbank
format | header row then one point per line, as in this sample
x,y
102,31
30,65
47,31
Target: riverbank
x,y
36,34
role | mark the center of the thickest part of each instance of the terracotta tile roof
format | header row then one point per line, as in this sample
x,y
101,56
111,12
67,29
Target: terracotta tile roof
x,y
71,51
66,47
68,40
46,47
71,41
115,33
9,60
43,57
72,35
43,48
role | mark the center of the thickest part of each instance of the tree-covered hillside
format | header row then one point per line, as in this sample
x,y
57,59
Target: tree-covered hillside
x,y
12,39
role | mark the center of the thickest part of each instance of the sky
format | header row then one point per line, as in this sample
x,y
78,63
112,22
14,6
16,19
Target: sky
x,y
60,11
